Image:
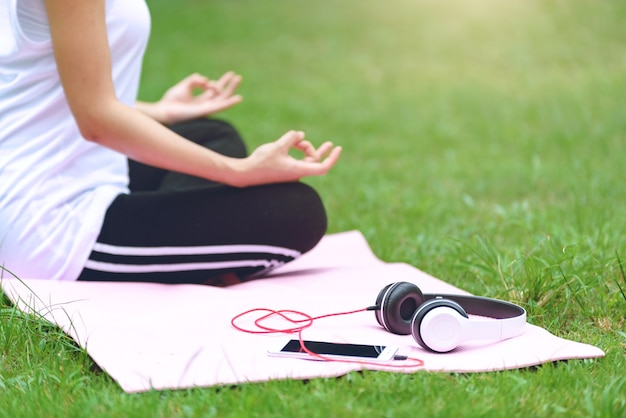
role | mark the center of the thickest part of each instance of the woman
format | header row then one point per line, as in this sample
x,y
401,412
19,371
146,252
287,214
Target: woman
x,y
96,186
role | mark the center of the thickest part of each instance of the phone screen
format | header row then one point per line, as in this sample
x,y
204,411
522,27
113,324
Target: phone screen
x,y
335,349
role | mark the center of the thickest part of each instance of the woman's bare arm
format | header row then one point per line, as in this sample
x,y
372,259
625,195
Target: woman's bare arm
x,y
83,59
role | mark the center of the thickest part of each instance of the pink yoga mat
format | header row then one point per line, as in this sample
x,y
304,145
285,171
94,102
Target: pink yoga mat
x,y
152,336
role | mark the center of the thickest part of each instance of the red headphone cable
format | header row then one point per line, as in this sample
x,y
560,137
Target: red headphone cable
x,y
306,321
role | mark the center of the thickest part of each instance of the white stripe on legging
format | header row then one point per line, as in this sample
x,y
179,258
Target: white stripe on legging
x,y
154,268
209,249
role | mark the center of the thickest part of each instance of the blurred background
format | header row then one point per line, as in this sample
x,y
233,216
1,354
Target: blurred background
x,y
502,120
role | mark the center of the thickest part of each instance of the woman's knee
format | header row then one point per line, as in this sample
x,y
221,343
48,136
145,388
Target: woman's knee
x,y
304,217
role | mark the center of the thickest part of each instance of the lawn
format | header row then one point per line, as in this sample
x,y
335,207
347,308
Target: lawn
x,y
483,142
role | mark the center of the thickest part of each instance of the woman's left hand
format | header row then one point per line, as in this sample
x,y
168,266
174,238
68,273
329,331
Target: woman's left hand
x,y
272,163
195,96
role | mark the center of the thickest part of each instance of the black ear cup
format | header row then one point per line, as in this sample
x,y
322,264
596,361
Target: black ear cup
x,y
436,328
378,304
397,304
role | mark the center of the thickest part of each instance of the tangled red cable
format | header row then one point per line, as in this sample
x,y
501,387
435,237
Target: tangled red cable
x,y
301,321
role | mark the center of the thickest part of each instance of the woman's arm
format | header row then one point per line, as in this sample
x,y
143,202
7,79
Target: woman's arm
x,y
83,59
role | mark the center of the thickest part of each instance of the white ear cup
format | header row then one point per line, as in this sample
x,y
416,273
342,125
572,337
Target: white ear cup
x,y
441,329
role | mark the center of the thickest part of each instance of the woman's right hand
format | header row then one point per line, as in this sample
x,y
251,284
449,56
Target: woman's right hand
x,y
272,162
180,103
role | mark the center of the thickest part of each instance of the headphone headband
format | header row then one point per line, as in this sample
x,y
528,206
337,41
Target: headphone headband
x,y
482,306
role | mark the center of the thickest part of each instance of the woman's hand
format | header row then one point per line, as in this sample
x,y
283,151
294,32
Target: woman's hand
x,y
272,163
193,97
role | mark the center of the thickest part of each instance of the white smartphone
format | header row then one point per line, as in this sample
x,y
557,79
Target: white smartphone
x,y
338,351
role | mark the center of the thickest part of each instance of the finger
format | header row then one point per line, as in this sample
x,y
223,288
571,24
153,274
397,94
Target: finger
x,y
313,154
331,160
321,167
195,80
290,138
231,86
324,149
306,147
224,79
224,87
220,88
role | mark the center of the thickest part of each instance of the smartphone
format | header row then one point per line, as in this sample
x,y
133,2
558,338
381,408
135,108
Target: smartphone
x,y
338,351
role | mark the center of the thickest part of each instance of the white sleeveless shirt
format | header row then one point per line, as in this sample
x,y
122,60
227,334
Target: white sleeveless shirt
x,y
55,186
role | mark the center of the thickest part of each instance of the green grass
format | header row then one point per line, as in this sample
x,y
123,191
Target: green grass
x,y
484,143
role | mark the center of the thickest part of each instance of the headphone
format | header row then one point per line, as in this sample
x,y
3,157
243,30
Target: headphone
x,y
440,323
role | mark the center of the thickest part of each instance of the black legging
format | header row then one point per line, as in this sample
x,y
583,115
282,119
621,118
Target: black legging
x,y
175,228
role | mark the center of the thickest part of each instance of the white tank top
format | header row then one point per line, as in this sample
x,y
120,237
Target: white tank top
x,y
55,186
